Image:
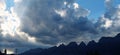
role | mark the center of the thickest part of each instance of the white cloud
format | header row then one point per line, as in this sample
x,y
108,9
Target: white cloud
x,y
65,3
10,22
62,13
2,5
76,5
6,24
16,1
107,23
107,0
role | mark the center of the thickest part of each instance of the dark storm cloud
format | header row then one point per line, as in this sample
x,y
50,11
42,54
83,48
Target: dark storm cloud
x,y
43,19
56,21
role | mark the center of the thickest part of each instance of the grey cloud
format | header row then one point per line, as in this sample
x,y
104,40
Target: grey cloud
x,y
41,20
109,4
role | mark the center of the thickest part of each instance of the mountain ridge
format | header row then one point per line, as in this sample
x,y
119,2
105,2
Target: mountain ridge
x,y
105,46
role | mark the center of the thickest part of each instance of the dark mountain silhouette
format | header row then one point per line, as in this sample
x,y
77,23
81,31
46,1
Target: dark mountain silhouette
x,y
105,46
33,51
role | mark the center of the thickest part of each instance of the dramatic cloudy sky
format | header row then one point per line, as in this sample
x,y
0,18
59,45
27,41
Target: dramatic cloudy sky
x,y
26,24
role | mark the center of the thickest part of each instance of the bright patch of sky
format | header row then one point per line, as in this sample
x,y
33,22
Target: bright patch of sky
x,y
9,4
96,7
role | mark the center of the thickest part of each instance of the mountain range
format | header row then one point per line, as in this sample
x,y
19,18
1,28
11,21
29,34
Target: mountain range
x,y
105,46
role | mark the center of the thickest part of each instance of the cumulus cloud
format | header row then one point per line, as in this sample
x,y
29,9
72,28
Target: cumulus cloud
x,y
108,23
62,21
54,23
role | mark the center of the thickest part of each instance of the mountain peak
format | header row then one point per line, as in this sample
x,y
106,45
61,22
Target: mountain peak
x,y
82,44
72,44
118,35
62,45
91,43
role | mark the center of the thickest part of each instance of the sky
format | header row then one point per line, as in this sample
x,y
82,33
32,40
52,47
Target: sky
x,y
26,24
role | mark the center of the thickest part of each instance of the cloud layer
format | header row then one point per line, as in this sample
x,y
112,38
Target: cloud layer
x,y
51,24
